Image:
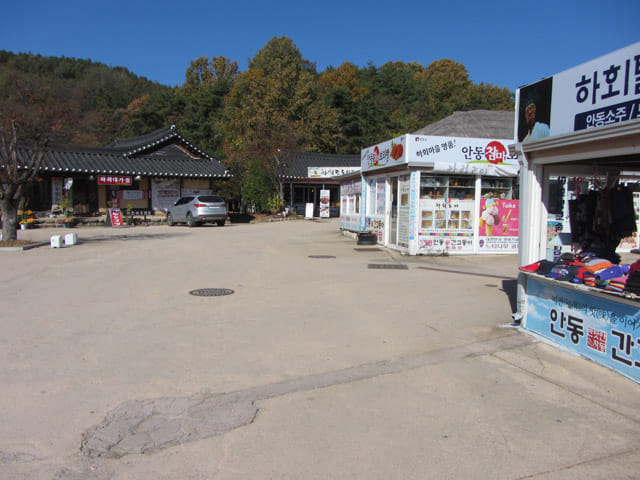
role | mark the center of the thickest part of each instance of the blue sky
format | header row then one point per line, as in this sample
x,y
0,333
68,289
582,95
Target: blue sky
x,y
504,43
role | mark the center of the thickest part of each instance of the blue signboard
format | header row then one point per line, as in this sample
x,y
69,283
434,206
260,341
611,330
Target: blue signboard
x,y
605,331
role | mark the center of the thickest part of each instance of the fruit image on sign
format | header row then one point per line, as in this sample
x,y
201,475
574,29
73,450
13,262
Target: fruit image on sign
x,y
397,150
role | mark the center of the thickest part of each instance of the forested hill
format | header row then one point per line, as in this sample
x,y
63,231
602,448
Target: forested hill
x,y
93,97
339,110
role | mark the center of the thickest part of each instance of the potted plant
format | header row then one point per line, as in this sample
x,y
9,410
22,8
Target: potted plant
x,y
27,219
69,220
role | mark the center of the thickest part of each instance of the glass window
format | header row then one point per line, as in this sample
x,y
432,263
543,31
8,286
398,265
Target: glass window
x,y
497,188
433,187
462,188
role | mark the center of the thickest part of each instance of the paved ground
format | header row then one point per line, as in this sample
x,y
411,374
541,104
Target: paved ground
x,y
317,367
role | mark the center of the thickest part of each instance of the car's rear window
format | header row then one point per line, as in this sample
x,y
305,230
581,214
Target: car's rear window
x,y
210,199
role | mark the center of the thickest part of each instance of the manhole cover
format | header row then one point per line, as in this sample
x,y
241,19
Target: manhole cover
x,y
211,292
322,256
389,266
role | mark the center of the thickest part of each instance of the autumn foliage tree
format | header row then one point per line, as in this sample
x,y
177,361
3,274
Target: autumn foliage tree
x,y
275,108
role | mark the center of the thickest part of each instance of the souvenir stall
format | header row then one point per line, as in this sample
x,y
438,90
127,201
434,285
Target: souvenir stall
x,y
430,195
578,136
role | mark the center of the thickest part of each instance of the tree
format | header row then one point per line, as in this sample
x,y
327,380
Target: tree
x,y
343,91
275,107
207,83
446,84
31,118
19,168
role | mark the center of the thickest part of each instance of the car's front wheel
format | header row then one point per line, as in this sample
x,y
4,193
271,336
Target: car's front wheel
x,y
170,221
191,222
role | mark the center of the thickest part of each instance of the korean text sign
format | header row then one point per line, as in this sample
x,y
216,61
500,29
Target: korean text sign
x,y
451,155
606,331
600,92
114,180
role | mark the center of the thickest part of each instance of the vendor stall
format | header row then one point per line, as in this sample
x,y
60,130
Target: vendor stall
x,y
433,195
578,136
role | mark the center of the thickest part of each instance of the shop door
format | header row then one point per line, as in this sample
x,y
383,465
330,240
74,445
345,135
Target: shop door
x,y
393,220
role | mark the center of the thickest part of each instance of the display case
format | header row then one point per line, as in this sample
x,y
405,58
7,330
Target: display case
x,y
462,188
446,204
441,187
434,188
497,188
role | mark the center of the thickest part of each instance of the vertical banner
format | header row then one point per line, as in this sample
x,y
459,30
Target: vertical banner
x,y
115,215
404,206
324,203
56,191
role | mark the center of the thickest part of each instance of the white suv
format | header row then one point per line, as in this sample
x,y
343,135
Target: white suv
x,y
198,209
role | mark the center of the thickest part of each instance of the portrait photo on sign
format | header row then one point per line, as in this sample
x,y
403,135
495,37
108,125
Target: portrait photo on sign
x,y
534,115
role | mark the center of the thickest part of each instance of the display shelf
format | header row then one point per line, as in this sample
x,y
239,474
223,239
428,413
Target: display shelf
x,y
497,188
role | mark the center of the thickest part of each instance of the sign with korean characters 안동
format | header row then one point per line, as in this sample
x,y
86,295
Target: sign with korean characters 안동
x,y
605,331
449,155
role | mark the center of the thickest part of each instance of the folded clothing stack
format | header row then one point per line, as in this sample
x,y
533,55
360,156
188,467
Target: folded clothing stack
x,y
617,284
594,277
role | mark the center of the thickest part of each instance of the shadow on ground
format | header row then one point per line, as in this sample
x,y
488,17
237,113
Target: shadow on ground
x,y
510,288
241,217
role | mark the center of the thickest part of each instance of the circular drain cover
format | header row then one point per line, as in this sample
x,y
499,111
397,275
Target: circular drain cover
x,y
211,292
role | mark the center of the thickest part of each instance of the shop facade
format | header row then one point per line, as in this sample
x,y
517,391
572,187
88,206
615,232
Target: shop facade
x,y
579,211
426,195
310,179
144,174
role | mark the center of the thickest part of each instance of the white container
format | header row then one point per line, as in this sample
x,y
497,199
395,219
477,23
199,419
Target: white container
x,y
70,239
56,241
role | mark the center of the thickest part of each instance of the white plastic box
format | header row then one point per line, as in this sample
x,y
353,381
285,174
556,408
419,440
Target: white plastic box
x,y
56,241
71,239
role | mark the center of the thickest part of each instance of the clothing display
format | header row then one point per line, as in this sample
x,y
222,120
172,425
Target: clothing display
x,y
590,270
599,219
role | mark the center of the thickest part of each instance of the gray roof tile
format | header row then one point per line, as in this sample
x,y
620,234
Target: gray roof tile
x,y
473,124
299,162
164,153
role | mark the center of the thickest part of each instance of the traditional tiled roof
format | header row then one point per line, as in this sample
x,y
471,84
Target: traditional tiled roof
x,y
298,163
163,153
473,124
